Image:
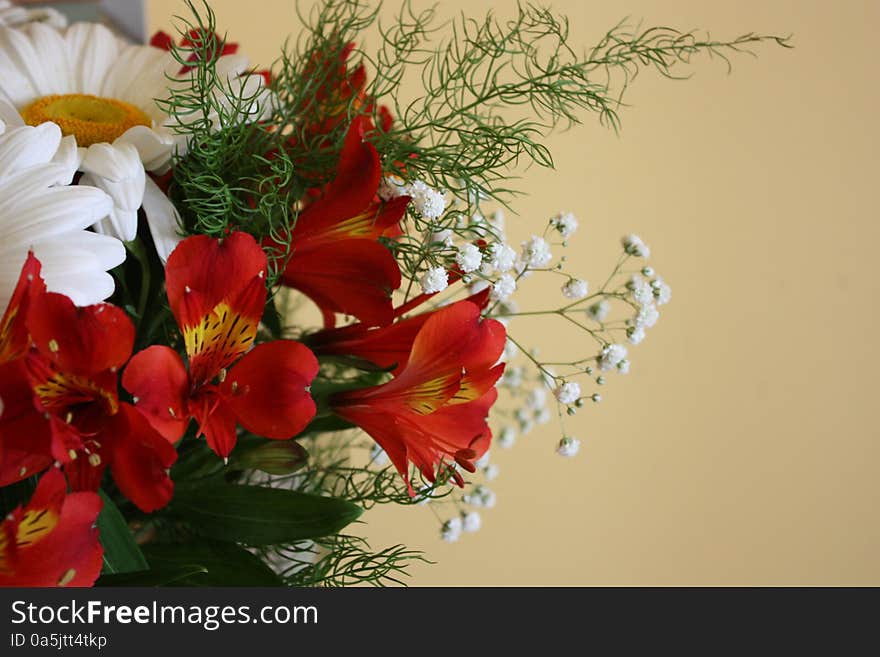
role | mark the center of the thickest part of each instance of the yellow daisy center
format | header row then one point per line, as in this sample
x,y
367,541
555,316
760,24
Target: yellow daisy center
x,y
91,119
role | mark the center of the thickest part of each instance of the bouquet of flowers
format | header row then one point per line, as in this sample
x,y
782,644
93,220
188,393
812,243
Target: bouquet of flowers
x,y
240,307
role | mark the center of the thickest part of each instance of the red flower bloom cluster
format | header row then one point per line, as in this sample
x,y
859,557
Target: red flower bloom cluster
x,y
436,406
52,541
342,92
59,387
336,258
217,293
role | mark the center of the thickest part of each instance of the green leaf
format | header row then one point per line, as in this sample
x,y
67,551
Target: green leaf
x,y
157,577
225,564
121,553
261,516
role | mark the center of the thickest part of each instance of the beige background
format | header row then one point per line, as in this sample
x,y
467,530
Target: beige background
x,y
743,448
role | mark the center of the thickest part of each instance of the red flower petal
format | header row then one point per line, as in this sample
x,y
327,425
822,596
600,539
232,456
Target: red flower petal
x,y
13,329
139,460
386,346
268,389
355,277
24,433
218,270
216,421
351,191
158,379
453,339
53,541
80,341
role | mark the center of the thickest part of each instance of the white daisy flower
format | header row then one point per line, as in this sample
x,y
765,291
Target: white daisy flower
x,y
107,94
40,212
11,14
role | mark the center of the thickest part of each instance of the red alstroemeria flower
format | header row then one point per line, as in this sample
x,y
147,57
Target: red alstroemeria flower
x,y
61,400
437,406
24,435
336,258
194,40
53,540
386,347
217,293
342,90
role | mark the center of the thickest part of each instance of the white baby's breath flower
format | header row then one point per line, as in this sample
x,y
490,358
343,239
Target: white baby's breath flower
x,y
641,290
568,446
623,367
543,416
451,530
634,246
434,280
662,291
469,258
501,258
598,312
481,496
568,393
646,317
503,288
426,200
513,377
635,334
536,399
610,356
566,223
471,522
535,252
507,437
575,289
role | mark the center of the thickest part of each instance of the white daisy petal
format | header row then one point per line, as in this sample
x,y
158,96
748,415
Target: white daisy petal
x,y
154,147
8,114
22,72
163,219
117,169
50,211
48,44
68,156
93,49
26,146
38,214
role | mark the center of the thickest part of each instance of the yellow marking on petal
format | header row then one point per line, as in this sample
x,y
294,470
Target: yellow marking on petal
x,y
427,397
67,577
6,352
91,119
61,391
35,526
4,550
467,392
360,225
94,460
72,454
217,341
